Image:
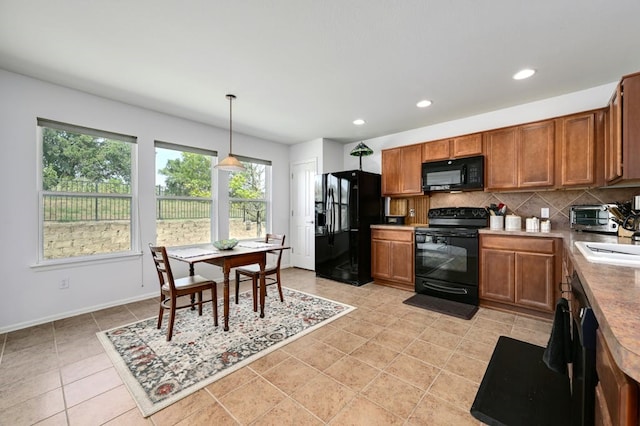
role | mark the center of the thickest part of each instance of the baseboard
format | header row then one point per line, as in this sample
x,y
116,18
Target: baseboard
x,y
67,314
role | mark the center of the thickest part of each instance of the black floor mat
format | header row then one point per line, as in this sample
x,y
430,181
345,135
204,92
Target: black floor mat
x,y
519,389
444,306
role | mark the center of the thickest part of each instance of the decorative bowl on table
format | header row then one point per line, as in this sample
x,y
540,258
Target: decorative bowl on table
x,y
225,244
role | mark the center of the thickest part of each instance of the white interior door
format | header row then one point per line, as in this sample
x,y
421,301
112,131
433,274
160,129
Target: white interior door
x,y
302,241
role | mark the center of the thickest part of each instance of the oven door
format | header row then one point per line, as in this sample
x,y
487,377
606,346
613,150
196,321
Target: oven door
x,y
446,264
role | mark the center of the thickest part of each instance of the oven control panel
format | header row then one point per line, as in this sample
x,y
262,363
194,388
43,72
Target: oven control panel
x,y
459,212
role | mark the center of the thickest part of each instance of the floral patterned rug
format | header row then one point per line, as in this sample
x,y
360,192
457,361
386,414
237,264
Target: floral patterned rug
x,y
159,373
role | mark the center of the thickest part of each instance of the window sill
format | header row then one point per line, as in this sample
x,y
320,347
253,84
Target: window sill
x,y
83,261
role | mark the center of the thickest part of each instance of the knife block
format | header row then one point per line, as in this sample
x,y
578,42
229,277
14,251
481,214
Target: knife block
x,y
624,233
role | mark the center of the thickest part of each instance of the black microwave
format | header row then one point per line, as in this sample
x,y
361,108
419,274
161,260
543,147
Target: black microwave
x,y
459,174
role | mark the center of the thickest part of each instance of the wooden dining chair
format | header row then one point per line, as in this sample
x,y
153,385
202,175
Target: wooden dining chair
x,y
270,270
171,289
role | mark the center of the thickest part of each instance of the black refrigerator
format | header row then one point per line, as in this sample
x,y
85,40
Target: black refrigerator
x,y
346,204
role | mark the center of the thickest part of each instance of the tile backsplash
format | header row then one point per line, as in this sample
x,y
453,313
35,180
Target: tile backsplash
x,y
528,204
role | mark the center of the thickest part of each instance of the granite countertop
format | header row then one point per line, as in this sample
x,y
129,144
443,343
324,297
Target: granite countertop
x,y
614,293
612,290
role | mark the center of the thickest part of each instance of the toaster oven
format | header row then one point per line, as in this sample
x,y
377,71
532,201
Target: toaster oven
x,y
593,218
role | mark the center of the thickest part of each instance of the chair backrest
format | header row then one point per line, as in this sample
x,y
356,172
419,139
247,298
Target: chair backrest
x,y
161,260
274,238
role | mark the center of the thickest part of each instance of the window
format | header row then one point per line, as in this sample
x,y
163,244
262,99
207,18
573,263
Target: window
x,y
86,192
249,199
184,203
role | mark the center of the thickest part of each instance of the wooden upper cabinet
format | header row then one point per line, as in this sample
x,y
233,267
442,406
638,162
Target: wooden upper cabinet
x,y
391,168
631,127
577,150
520,156
536,144
613,138
402,170
462,146
622,135
436,150
466,146
502,159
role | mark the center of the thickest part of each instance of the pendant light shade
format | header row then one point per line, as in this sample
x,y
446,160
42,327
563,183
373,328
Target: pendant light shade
x,y
361,150
231,163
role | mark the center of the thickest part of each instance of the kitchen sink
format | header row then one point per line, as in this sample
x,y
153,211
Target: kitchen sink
x,y
612,254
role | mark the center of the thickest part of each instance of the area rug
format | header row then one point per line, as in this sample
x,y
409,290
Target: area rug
x,y
443,306
159,373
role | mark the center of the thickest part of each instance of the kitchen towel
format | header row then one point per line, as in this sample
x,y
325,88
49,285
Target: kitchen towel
x,y
558,352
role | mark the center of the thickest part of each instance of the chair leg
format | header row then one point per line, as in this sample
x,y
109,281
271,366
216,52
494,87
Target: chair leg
x,y
279,286
200,303
172,318
254,282
237,285
161,313
214,300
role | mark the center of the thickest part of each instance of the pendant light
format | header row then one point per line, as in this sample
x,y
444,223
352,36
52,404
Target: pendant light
x,y
231,163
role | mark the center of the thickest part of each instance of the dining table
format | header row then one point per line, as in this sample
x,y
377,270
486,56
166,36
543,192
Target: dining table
x,y
245,253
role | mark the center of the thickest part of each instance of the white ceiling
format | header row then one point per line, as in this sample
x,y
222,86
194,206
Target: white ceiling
x,y
305,69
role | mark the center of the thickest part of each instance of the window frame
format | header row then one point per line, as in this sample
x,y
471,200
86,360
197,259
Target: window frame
x,y
213,210
134,238
267,192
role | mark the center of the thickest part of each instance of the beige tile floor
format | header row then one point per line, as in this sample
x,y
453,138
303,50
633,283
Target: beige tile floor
x,y
385,363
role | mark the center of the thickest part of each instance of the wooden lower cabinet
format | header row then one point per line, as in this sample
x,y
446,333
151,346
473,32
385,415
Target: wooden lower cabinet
x,y
392,258
522,272
616,393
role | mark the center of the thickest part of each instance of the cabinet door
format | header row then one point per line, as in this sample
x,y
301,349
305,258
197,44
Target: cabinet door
x,y
502,160
402,262
497,275
391,168
466,146
411,169
436,150
536,143
619,392
534,280
577,150
613,139
631,127
380,259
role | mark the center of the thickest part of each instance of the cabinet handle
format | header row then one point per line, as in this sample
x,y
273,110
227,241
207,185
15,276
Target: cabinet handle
x,y
445,289
568,284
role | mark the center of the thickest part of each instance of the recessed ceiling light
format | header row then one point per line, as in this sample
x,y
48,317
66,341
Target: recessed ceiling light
x,y
358,122
522,74
424,103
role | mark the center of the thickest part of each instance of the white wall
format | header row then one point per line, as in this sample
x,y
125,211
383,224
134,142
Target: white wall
x,y
332,157
307,151
30,295
596,97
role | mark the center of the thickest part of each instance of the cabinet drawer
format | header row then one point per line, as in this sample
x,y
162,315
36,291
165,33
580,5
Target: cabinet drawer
x,y
619,393
537,245
392,235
